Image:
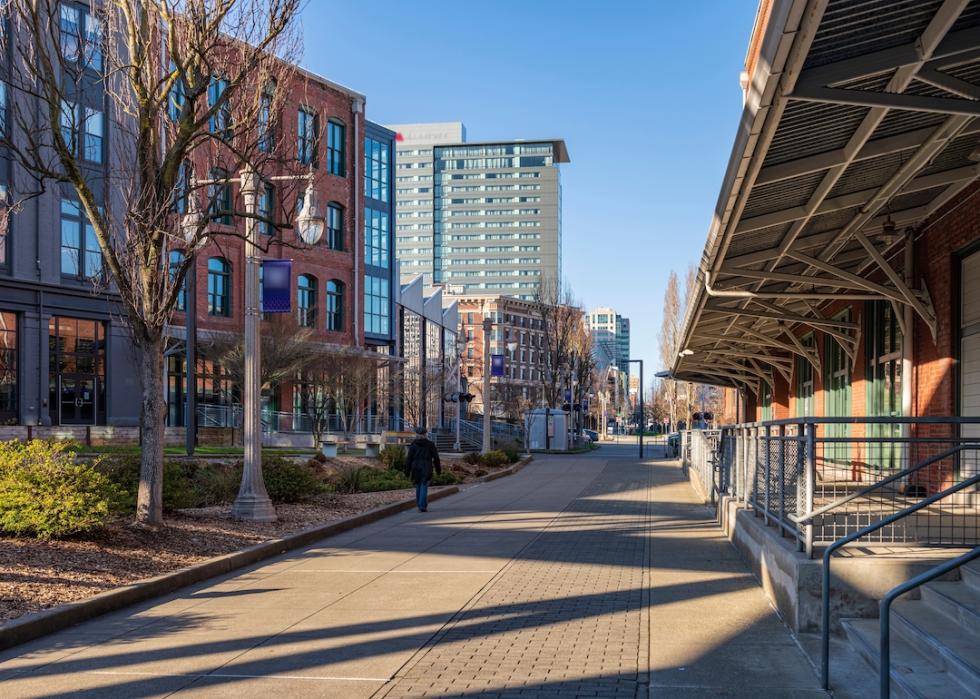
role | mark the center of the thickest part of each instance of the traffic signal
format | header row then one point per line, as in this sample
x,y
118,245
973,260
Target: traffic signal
x,y
466,397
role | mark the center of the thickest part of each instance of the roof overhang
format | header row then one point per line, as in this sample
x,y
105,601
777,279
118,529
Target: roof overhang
x,y
859,123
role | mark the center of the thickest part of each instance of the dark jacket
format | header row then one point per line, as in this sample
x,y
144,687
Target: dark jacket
x,y
422,458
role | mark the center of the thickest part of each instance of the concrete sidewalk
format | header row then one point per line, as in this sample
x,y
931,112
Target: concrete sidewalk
x,y
594,575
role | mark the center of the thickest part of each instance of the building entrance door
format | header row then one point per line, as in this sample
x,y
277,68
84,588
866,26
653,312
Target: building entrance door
x,y
78,401
837,370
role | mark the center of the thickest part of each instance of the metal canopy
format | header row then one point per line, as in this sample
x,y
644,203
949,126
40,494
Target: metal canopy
x,y
860,122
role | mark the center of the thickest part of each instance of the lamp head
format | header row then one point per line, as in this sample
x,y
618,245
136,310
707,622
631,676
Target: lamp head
x,y
309,222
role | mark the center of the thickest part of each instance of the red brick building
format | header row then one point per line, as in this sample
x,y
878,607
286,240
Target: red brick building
x,y
841,275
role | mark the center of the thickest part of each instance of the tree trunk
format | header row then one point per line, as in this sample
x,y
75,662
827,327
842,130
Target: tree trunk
x,y
149,501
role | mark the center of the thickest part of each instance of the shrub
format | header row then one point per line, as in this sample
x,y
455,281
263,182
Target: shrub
x,y
216,483
473,458
320,458
373,480
444,478
394,456
44,493
348,478
178,483
288,481
494,458
513,451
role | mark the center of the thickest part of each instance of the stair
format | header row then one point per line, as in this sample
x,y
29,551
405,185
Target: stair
x,y
935,641
446,442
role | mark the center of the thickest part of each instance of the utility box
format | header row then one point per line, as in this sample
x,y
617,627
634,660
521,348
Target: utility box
x,y
547,428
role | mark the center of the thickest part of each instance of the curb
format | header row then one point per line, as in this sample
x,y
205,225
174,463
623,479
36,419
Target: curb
x,y
506,472
37,624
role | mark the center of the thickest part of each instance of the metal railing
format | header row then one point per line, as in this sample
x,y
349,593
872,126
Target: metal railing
x,y
500,432
884,613
881,524
700,454
819,479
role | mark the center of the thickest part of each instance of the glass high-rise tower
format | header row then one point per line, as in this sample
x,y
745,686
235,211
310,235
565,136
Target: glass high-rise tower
x,y
478,217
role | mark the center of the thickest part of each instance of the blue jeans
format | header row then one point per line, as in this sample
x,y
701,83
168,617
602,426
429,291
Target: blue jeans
x,y
422,494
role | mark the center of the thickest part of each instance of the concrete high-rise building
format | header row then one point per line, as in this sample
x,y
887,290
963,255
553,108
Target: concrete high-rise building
x,y
611,333
478,217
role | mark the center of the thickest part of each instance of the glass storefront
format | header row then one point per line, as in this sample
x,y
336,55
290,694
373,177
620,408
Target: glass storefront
x,y
8,369
76,371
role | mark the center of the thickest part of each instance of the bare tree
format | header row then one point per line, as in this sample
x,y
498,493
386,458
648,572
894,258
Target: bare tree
x,y
189,85
286,350
562,321
338,382
670,338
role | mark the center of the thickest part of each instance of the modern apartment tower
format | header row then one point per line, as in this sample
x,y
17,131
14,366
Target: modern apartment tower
x,y
611,334
481,217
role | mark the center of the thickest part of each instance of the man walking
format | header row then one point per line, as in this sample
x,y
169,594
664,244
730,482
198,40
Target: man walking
x,y
422,458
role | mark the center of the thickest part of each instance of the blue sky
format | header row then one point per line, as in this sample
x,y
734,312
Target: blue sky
x,y
645,94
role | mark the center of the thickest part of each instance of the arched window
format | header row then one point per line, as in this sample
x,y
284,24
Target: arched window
x,y
335,227
335,305
219,287
176,260
306,300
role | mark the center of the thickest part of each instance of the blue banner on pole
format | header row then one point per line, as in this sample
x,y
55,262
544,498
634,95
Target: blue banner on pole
x,y
496,365
277,286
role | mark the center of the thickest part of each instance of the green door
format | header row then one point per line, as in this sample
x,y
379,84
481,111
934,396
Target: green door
x,y
883,352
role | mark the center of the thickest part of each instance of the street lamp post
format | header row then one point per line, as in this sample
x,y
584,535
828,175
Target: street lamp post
x,y
642,416
460,344
487,329
253,502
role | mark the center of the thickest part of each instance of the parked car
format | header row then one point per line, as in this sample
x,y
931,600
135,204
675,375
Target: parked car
x,y
673,445
591,435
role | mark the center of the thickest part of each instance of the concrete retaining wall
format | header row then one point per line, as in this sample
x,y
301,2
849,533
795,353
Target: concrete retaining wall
x,y
860,576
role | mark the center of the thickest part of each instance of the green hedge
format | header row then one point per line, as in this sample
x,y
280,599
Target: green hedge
x,y
46,494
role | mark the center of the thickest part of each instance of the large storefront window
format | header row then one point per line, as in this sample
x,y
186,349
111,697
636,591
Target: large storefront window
x,y
804,381
8,369
76,371
883,371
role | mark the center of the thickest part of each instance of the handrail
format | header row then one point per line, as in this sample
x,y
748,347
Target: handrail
x,y
881,523
884,611
874,486
857,420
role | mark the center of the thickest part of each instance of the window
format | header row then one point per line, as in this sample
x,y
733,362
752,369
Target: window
x,y
92,135
3,108
376,238
804,380
376,305
267,201
306,136
176,260
376,169
220,120
182,187
70,32
265,119
335,227
219,287
336,149
178,95
219,198
77,44
883,379
81,255
335,305
8,368
69,119
306,300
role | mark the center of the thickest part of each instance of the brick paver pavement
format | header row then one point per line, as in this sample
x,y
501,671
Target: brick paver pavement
x,y
567,617
591,576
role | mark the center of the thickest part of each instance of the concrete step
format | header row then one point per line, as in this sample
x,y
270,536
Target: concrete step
x,y
971,575
912,675
956,600
953,647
